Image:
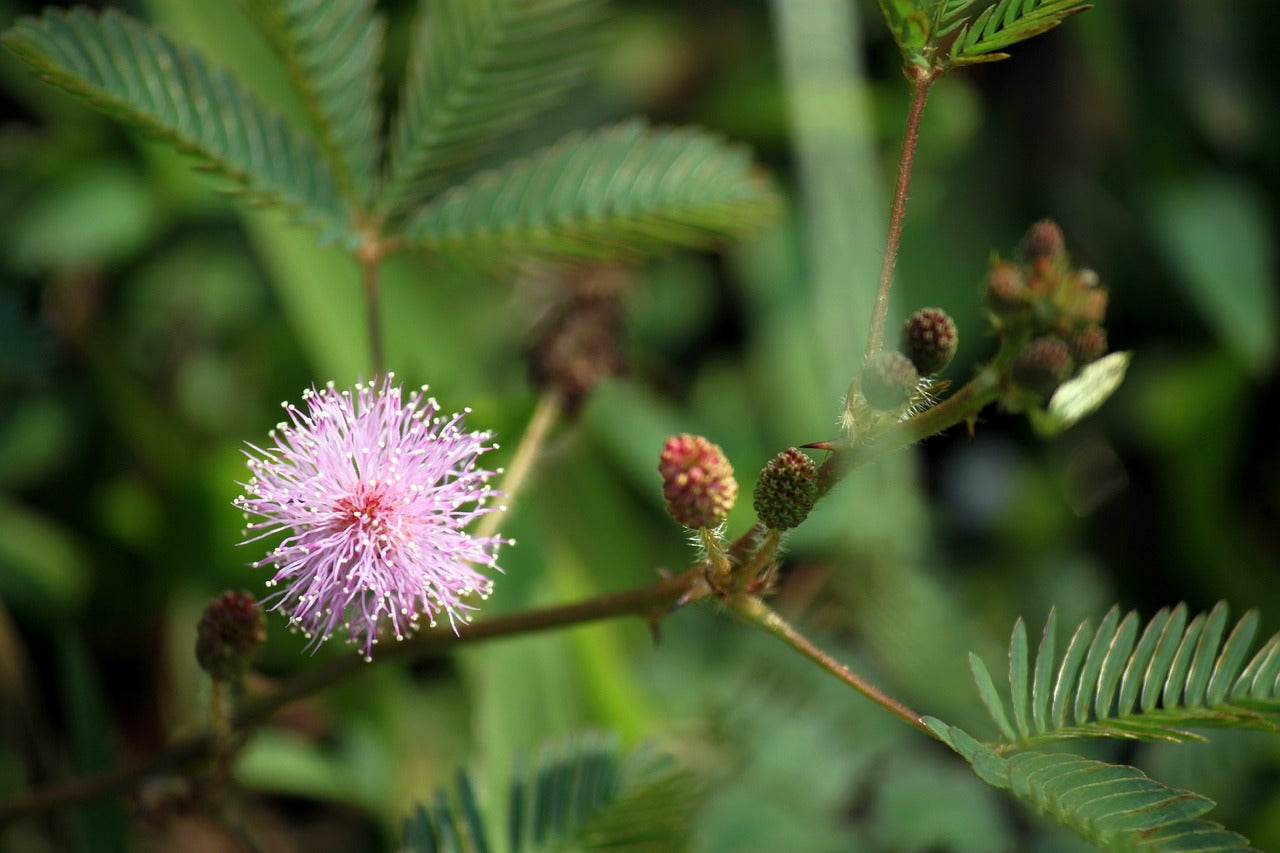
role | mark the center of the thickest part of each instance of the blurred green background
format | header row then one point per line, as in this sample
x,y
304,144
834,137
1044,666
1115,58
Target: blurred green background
x,y
149,326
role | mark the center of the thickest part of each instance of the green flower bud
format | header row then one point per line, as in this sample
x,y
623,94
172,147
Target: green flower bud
x,y
228,635
1043,365
888,380
697,481
929,339
786,490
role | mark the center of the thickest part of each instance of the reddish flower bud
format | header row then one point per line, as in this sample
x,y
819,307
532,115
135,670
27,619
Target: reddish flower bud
x,y
929,339
1044,241
1043,365
1006,292
228,636
1088,344
888,380
786,490
697,481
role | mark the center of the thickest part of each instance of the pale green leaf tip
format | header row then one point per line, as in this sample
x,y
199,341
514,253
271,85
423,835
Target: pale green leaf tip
x,y
1083,395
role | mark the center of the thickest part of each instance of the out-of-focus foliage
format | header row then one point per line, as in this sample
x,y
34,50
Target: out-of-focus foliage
x,y
148,326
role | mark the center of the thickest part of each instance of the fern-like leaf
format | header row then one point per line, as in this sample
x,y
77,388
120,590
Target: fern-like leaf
x,y
582,794
615,193
1129,681
479,70
1004,24
1113,806
332,49
133,72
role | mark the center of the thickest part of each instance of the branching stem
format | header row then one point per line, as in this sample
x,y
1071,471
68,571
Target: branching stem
x,y
920,81
758,613
193,751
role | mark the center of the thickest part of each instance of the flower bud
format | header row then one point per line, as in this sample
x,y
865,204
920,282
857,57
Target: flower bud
x,y
1091,306
1043,365
929,339
786,490
1005,290
1044,241
228,636
1088,344
888,380
697,481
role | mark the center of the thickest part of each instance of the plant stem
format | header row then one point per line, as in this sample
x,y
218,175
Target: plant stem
x,y
760,614
545,415
920,81
642,601
370,257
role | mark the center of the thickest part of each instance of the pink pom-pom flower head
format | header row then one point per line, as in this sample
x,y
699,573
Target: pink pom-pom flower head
x,y
372,491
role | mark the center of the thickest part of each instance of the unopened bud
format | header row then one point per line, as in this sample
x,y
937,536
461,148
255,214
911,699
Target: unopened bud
x,y
1044,241
228,636
1088,344
888,380
697,481
786,490
1091,306
1006,292
929,339
1043,365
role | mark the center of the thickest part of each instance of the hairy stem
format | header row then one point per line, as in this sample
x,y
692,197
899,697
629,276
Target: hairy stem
x,y
920,81
193,752
544,418
758,613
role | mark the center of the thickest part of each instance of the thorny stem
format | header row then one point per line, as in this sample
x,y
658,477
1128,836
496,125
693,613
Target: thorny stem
x,y
920,80
647,601
544,418
758,613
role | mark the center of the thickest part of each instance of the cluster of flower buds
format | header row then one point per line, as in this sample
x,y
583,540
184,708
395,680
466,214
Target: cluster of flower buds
x,y
697,481
890,379
1052,311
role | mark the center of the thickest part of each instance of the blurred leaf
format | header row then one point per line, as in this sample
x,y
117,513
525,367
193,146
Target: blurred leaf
x,y
41,564
134,73
478,70
615,193
1217,237
332,49
95,216
963,816
34,440
358,771
102,824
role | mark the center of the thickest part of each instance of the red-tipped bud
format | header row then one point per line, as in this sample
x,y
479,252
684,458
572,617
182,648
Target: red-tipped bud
x,y
786,490
929,339
697,481
1088,344
888,380
1043,365
228,636
1044,241
1006,292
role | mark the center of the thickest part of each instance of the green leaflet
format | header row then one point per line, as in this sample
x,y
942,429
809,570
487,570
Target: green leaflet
x,y
479,70
1146,683
1006,23
582,794
332,49
1114,806
133,72
613,193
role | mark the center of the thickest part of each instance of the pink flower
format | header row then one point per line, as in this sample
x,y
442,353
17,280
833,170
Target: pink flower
x,y
373,493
